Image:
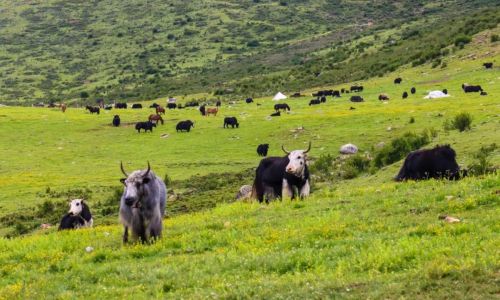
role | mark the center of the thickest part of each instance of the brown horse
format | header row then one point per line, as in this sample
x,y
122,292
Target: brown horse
x,y
156,118
63,107
160,110
212,110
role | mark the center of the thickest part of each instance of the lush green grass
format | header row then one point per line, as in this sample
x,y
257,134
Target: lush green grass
x,y
364,238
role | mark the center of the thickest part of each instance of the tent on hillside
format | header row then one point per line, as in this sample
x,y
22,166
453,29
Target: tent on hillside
x,y
279,96
435,95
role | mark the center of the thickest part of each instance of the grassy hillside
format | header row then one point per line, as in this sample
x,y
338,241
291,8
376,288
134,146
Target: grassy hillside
x,y
368,237
61,50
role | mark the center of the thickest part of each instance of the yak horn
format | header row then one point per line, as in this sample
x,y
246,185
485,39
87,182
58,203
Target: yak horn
x,y
284,150
147,171
123,170
309,148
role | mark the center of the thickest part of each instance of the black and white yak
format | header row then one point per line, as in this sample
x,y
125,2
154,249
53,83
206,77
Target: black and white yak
x,y
78,216
142,205
278,176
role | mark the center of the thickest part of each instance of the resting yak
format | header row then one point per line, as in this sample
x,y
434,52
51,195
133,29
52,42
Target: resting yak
x,y
438,162
277,175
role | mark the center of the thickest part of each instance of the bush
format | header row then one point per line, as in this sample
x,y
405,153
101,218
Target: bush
x,y
412,120
400,147
84,95
462,39
461,122
323,164
482,163
495,38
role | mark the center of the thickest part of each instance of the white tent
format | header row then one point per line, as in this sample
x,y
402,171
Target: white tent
x,y
436,94
279,96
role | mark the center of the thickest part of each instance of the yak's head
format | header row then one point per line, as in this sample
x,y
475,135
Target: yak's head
x,y
298,160
135,186
75,207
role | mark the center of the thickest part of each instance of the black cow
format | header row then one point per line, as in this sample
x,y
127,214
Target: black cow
x,y
184,126
445,91
471,88
202,110
171,105
136,106
431,163
282,106
398,80
357,99
405,95
383,97
92,109
154,105
249,100
342,90
218,103
413,90
322,99
314,102
277,174
231,121
145,125
336,94
116,120
488,65
122,105
262,149
356,88
276,114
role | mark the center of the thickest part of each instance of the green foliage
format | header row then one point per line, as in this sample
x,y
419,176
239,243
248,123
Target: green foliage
x,y
462,39
482,161
460,122
399,148
495,38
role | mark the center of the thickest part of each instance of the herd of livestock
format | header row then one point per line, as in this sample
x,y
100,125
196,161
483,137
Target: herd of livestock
x,y
143,201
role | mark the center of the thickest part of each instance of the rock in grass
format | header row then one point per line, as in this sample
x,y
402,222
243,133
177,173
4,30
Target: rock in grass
x,y
89,249
449,219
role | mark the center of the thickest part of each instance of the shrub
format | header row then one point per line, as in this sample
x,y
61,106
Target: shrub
x,y
495,38
412,120
482,163
462,39
400,147
253,43
84,94
323,164
461,122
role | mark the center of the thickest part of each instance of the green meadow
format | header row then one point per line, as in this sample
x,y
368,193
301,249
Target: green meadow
x,y
368,237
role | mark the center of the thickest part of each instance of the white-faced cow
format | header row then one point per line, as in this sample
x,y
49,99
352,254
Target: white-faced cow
x,y
142,204
278,176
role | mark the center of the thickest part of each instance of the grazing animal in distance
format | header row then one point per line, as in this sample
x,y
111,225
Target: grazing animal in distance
x,y
172,105
471,88
438,162
276,114
160,110
212,111
78,216
352,108
145,125
398,80
405,95
156,118
154,105
116,120
262,149
192,103
108,107
277,175
142,205
357,99
92,109
202,110
383,97
63,107
218,103
281,106
356,88
445,91
488,65
121,105
184,126
322,99
342,90
231,121
136,106
413,90
249,100
483,93
296,95
314,102
336,94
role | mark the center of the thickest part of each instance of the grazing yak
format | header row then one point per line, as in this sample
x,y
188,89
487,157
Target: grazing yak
x,y
154,105
160,110
398,80
262,149
405,95
488,65
108,107
314,102
92,109
121,105
336,94
202,110
137,106
276,114
63,107
218,103
383,97
413,90
438,162
231,121
192,104
142,205
471,88
145,125
357,99
78,216
171,105
356,88
249,100
277,175
283,106
322,99
445,91
116,120
184,126
296,95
